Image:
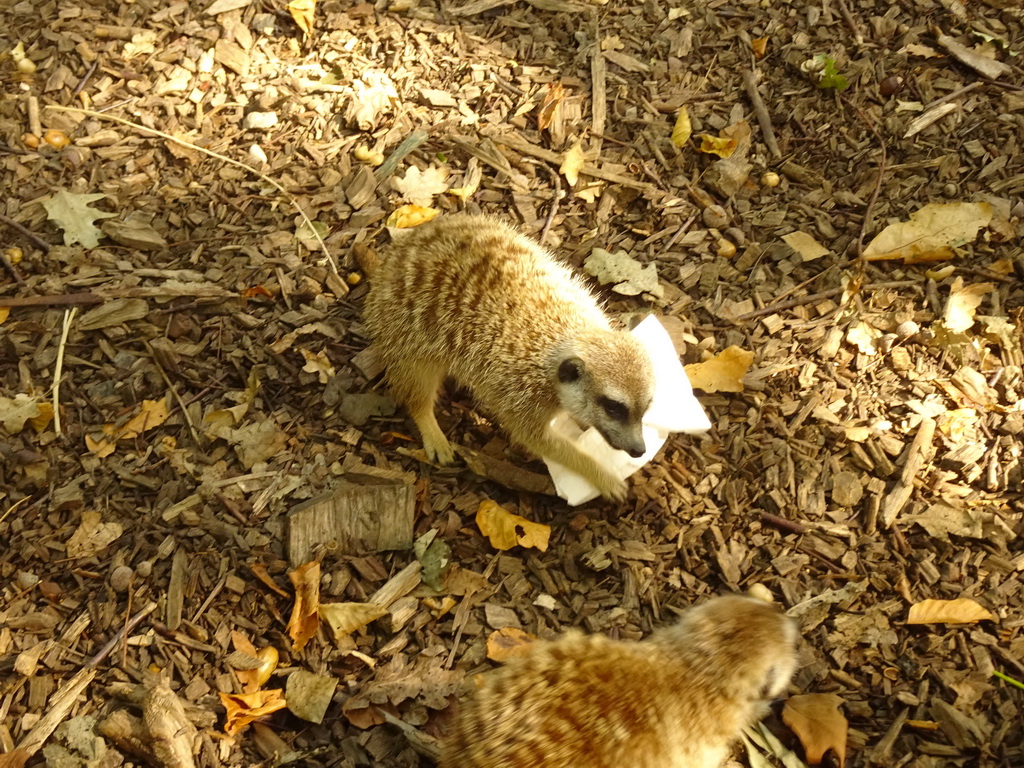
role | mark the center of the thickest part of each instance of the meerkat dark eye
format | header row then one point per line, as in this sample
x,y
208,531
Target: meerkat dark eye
x,y
614,409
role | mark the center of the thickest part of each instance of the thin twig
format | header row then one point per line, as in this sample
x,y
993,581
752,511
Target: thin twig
x,y
59,300
813,297
85,78
126,630
858,38
58,368
678,233
43,245
764,119
554,198
223,158
174,391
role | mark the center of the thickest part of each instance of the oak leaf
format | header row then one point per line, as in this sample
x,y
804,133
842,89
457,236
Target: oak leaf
x,y
345,618
931,233
817,721
71,212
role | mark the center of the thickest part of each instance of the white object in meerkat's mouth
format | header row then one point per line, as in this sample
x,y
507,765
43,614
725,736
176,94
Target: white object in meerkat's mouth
x,y
673,409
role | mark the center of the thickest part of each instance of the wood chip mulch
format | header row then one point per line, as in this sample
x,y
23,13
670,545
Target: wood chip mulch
x,y
213,368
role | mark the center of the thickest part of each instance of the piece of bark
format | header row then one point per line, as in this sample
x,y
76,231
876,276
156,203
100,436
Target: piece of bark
x,y
505,473
172,736
370,514
176,590
399,585
918,452
983,65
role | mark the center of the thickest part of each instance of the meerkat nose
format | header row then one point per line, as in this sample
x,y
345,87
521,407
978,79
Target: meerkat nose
x,y
636,451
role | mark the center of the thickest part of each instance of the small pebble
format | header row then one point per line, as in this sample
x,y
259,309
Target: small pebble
x,y
715,217
26,580
144,569
259,121
256,153
950,190
121,578
907,330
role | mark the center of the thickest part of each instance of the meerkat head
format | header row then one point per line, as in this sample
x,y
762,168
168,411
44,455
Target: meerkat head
x,y
605,380
749,644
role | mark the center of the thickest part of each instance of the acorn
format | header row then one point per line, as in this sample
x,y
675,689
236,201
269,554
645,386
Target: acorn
x,y
891,85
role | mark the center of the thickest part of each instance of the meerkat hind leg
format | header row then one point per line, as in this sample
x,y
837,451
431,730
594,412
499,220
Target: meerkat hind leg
x,y
558,448
417,384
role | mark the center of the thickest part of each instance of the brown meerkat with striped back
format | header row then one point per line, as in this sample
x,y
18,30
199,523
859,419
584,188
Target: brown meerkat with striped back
x,y
674,700
472,298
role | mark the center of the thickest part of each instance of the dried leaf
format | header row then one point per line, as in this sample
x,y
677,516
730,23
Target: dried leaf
x,y
244,708
71,212
759,45
682,130
817,721
931,233
805,245
963,610
91,536
309,695
248,677
506,530
552,99
508,643
722,373
420,187
5,312
317,362
304,14
863,337
572,163
963,301
345,618
152,413
14,412
722,146
305,618
408,216
629,276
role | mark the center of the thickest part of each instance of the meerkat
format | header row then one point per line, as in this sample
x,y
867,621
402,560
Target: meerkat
x,y
674,700
472,298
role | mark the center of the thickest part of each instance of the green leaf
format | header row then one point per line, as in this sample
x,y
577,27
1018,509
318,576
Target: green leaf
x,y
830,77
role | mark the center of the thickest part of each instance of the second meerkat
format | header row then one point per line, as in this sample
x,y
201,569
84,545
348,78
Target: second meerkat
x,y
473,298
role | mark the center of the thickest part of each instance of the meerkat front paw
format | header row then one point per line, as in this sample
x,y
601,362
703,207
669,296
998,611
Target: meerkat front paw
x,y
439,451
612,488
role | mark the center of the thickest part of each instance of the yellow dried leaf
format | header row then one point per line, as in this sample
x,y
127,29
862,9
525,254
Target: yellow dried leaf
x,y
305,618
572,163
407,216
508,643
717,145
863,337
722,373
960,611
42,420
317,362
963,301
1000,267
151,414
682,130
92,535
244,708
5,312
817,721
759,45
931,233
304,13
552,101
505,530
346,618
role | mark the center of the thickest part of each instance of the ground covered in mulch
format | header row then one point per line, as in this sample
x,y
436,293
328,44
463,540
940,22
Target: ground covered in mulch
x,y
213,375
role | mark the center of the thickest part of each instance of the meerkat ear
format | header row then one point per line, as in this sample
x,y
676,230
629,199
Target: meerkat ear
x,y
570,370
